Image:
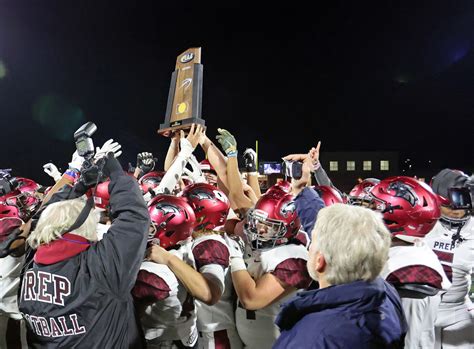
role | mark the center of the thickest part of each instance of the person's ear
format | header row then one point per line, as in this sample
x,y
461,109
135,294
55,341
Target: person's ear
x,y
320,263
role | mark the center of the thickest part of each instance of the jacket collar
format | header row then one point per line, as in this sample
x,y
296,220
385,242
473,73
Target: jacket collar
x,y
67,246
360,296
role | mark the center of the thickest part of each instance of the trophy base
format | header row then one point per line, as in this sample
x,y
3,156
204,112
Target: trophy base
x,y
168,129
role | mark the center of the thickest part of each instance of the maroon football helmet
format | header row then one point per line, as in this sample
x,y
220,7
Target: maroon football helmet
x,y
329,195
102,195
9,219
24,197
359,195
150,180
409,207
209,203
173,220
272,221
281,185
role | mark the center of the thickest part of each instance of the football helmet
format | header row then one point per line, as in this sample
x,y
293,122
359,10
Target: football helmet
x,y
151,180
453,192
210,205
359,195
329,195
409,207
172,218
273,220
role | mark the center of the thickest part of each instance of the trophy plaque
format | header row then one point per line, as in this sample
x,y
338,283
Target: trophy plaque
x,y
185,95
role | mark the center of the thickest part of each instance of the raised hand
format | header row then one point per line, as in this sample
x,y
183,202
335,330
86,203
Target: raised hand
x,y
52,171
250,160
109,146
145,162
227,142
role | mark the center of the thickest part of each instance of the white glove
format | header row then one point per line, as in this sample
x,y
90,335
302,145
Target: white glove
x,y
52,171
236,246
76,161
109,146
196,174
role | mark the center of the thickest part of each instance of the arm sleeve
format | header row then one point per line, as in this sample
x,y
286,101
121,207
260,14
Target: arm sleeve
x,y
150,287
172,176
293,272
308,203
115,260
212,258
321,177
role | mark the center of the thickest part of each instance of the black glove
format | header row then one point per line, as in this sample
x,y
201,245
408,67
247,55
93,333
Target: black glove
x,y
250,160
145,162
112,167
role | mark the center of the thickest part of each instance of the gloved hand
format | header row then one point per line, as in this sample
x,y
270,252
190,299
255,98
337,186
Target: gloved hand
x,y
109,146
52,171
236,252
250,160
76,162
227,142
112,167
145,162
196,174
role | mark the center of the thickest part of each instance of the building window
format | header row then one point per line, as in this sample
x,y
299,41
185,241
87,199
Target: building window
x,y
351,165
367,165
333,166
384,165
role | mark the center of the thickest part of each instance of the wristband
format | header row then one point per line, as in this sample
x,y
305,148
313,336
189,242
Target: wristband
x,y
237,264
73,173
316,166
232,154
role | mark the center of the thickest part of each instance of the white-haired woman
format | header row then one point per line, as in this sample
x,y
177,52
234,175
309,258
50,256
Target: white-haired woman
x,y
77,291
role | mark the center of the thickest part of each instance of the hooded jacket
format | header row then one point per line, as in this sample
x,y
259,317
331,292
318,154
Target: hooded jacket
x,y
355,315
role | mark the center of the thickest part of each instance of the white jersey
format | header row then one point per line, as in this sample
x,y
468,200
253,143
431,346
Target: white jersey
x,y
172,318
457,259
419,313
10,268
257,328
455,317
219,316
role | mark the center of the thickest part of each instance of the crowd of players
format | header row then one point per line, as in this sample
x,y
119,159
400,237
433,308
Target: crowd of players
x,y
195,255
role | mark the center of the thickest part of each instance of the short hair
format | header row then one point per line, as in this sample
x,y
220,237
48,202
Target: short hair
x,y
60,216
354,242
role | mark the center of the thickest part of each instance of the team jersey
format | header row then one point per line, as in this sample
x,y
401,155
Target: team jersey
x,y
455,314
169,312
417,264
288,264
457,259
219,316
172,315
10,268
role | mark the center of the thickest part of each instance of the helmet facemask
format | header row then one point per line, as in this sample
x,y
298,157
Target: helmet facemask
x,y
263,232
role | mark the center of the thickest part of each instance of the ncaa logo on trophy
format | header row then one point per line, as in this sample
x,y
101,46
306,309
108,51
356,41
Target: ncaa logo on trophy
x,y
185,94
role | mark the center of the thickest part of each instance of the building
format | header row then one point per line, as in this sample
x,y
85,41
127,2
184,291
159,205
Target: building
x,y
346,168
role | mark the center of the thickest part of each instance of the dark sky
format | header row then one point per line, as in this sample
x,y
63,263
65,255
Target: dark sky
x,y
393,76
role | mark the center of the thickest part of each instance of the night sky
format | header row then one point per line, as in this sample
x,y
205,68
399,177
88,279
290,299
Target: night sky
x,y
395,77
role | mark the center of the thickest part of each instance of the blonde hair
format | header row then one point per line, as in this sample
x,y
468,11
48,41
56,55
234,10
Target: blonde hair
x,y
354,242
60,216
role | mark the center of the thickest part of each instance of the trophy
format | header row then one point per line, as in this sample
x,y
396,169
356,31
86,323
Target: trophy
x,y
185,94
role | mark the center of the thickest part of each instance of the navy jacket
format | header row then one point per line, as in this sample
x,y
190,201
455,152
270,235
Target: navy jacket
x,y
308,203
355,315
